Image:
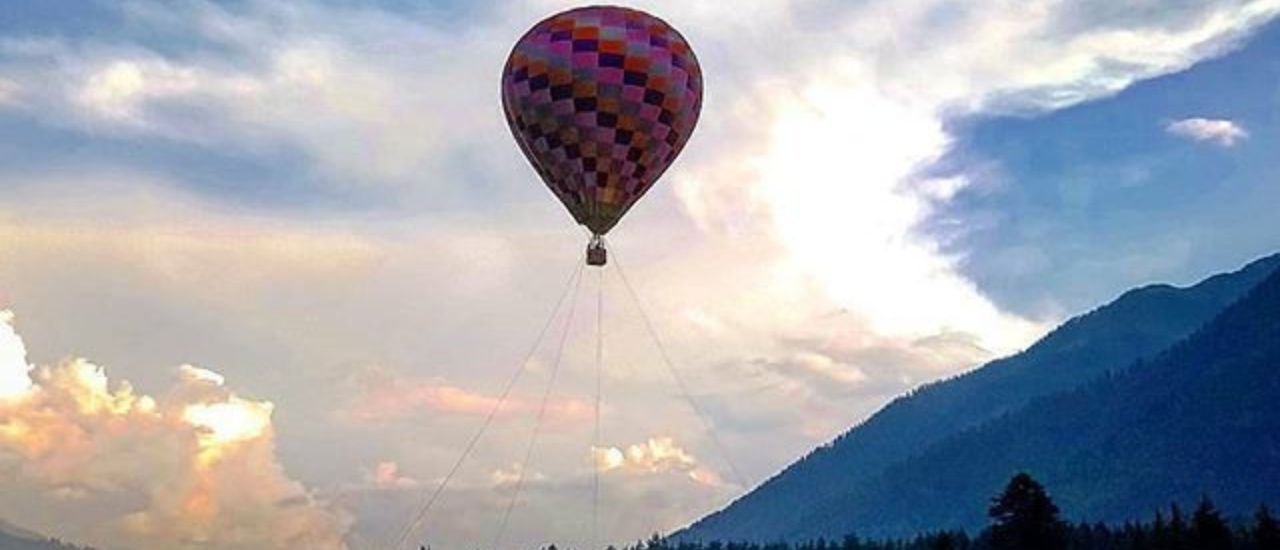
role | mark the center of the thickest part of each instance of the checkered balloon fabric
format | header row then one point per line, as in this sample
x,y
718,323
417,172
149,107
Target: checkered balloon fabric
x,y
601,100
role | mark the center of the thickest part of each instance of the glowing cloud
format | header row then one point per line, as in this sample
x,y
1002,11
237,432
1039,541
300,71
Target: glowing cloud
x,y
223,424
385,396
199,463
653,456
15,377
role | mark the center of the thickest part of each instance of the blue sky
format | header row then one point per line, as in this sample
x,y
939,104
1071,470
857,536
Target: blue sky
x,y
301,233
1092,199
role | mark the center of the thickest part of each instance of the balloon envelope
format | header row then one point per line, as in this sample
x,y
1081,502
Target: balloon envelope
x,y
601,100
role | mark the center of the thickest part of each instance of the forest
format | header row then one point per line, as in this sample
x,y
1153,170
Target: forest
x,y
1024,517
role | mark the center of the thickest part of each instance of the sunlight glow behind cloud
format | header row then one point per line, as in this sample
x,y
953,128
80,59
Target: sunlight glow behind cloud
x,y
15,377
837,178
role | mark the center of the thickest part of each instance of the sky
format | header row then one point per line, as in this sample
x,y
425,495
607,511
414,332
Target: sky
x,y
265,266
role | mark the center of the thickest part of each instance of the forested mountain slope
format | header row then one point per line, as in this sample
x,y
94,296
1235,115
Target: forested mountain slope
x,y
1202,417
1138,324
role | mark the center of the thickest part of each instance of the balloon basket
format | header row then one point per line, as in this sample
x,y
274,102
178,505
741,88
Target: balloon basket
x,y
597,256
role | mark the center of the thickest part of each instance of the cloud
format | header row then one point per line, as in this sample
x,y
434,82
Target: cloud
x,y
386,475
653,456
506,479
823,371
834,158
835,138
9,92
267,80
119,91
1225,133
384,396
194,468
15,377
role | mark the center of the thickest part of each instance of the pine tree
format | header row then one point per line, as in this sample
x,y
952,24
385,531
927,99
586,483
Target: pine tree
x,y
1137,537
943,541
1177,528
1025,518
1208,530
1161,538
1266,531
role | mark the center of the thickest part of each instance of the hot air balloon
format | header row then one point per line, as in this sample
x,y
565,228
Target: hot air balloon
x,y
601,99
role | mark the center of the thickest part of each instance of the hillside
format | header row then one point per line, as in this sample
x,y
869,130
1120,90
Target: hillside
x,y
15,538
1200,418
1138,324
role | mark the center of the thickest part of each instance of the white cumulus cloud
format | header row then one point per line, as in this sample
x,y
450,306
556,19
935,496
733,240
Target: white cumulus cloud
x,y
654,455
1219,131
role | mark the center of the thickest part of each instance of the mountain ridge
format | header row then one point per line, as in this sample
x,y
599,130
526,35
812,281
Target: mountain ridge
x,y
13,537
1139,323
1183,424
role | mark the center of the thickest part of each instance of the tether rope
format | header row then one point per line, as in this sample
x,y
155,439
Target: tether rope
x,y
595,446
675,375
523,466
420,516
572,289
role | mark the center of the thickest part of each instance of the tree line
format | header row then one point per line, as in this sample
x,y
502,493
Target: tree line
x,y
1024,517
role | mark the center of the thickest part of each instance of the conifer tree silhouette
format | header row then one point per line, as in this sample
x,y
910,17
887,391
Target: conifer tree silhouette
x,y
1266,531
1025,518
1208,530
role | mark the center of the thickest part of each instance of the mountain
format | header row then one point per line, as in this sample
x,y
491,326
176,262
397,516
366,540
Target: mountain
x,y
16,538
1200,418
1138,324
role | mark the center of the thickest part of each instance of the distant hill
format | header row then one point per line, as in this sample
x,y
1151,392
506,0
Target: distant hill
x,y
16,538
823,492
1201,418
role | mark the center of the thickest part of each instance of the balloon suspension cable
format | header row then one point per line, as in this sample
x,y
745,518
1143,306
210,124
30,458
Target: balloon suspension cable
x,y
707,424
523,466
595,446
420,516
